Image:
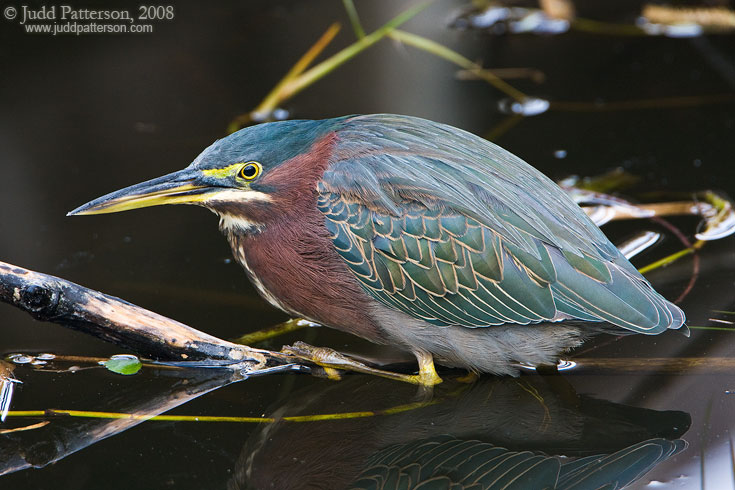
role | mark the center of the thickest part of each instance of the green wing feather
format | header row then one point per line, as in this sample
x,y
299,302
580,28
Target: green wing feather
x,y
450,228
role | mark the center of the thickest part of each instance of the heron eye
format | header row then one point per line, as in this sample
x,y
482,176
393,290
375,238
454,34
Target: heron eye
x,y
250,170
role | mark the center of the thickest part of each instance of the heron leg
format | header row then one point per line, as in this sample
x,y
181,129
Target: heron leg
x,y
427,373
330,360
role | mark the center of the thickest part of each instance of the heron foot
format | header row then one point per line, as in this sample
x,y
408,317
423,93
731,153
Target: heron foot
x,y
427,373
330,360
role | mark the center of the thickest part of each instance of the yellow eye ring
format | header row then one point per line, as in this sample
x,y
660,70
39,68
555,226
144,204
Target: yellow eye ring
x,y
250,170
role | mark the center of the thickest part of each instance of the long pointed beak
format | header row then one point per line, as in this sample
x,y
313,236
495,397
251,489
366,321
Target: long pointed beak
x,y
182,187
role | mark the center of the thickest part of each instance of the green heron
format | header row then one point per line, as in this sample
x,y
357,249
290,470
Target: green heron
x,y
415,234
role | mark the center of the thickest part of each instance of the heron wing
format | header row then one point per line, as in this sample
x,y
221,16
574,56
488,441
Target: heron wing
x,y
448,227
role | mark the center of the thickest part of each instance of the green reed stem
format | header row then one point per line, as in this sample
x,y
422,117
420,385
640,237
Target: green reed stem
x,y
354,18
441,51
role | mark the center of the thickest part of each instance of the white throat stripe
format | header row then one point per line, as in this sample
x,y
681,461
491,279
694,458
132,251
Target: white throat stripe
x,y
233,195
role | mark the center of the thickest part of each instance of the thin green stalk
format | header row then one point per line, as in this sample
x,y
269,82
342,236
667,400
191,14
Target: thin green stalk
x,y
598,27
327,66
666,260
503,127
271,100
441,51
354,18
208,418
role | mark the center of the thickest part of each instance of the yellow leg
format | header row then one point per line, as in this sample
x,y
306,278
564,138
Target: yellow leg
x,y
427,373
330,359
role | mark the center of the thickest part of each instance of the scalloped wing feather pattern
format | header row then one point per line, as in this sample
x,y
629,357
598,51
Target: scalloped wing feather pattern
x,y
454,230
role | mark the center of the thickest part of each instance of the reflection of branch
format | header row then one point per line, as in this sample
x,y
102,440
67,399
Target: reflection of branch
x,y
676,365
142,416
64,435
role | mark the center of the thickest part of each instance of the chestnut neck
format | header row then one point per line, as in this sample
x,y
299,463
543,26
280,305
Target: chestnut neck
x,y
291,259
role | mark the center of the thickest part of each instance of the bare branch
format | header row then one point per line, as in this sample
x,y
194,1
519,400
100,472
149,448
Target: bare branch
x,y
56,300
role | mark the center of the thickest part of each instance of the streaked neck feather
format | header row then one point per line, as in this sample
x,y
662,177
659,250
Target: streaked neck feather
x,y
229,223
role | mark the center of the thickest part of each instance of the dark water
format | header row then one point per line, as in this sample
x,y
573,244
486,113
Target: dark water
x,y
85,115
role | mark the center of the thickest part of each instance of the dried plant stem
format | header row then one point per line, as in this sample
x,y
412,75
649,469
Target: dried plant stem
x,y
655,103
503,127
533,74
558,9
271,101
299,83
713,17
297,79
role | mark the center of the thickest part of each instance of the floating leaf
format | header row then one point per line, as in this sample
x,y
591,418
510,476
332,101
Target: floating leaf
x,y
124,364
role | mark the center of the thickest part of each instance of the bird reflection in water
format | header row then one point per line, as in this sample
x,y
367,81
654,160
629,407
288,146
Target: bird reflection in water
x,y
532,432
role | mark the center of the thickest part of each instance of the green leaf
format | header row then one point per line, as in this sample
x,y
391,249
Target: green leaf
x,y
124,364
